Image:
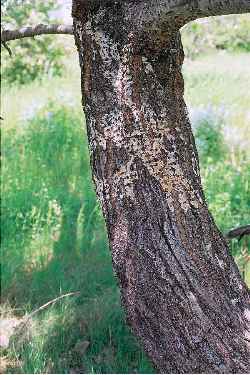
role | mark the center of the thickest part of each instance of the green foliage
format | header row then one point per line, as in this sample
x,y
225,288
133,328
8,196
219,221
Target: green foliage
x,y
46,179
32,58
230,33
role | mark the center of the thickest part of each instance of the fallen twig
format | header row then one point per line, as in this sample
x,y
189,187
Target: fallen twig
x,y
29,316
50,303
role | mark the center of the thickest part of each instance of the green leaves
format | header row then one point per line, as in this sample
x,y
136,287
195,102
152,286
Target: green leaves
x,y
230,33
32,57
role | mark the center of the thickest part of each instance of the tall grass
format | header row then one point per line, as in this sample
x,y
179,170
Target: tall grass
x,y
54,237
225,175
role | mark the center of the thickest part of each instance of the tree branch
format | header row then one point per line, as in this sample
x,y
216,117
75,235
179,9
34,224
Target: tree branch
x,y
31,31
151,11
7,48
204,8
155,15
238,232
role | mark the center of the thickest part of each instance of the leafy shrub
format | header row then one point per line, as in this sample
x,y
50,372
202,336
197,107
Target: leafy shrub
x,y
31,59
225,32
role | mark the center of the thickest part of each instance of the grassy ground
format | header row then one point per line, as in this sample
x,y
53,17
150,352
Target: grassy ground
x,y
54,237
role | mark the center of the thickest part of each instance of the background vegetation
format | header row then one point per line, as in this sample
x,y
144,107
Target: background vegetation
x,y
54,239
33,57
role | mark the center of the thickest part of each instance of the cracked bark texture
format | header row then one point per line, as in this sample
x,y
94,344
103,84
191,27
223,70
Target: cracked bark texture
x,y
182,292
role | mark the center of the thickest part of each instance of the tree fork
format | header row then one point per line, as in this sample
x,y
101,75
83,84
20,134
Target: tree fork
x,y
182,292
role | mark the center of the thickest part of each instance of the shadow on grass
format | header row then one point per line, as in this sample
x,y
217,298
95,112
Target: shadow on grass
x,y
53,339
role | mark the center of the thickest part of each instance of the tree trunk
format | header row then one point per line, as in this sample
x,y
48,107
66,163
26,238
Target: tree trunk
x,y
181,289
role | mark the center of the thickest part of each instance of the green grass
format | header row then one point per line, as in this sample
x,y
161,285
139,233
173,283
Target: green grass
x,y
54,236
221,82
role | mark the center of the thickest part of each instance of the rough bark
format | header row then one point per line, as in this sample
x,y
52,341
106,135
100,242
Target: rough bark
x,y
181,289
148,11
211,7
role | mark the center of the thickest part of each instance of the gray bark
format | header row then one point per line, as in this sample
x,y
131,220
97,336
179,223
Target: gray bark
x,y
156,8
182,292
30,31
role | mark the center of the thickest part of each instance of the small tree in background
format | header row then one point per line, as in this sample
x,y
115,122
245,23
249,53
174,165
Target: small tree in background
x,y
230,33
32,60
